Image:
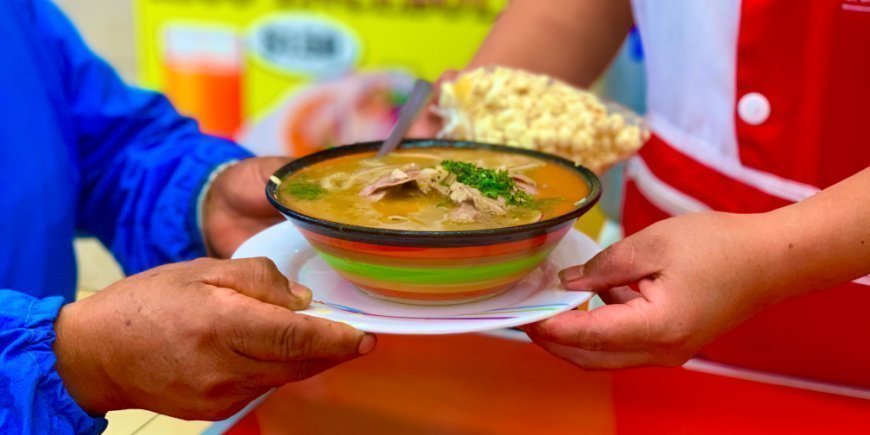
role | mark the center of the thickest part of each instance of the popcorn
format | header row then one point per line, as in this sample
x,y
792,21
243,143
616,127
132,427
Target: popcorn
x,y
517,108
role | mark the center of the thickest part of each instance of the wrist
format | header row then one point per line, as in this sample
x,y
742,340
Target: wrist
x,y
203,202
785,247
79,365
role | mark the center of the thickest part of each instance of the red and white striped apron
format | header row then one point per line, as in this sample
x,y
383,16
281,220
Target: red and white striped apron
x,y
755,105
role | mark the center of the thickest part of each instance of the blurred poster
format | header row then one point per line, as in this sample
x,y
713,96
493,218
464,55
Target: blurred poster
x,y
296,76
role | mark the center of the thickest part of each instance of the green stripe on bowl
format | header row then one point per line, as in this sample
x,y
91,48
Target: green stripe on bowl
x,y
434,275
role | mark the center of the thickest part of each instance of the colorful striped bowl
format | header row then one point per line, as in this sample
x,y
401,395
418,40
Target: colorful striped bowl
x,y
432,268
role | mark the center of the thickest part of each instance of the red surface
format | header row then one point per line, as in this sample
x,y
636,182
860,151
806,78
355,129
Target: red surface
x,y
678,401
483,385
812,62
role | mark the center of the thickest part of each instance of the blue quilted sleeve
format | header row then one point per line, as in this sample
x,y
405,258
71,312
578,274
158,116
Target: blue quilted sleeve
x,y
33,399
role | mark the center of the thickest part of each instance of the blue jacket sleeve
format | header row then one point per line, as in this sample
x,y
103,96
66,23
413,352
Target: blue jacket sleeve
x,y
142,164
32,395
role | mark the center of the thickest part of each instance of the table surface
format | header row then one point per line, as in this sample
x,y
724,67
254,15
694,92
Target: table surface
x,y
477,384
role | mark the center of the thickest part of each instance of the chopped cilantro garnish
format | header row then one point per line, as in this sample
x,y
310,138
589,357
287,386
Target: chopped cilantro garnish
x,y
307,190
490,182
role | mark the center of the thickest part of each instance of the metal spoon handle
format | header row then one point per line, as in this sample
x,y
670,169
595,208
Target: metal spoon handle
x,y
410,111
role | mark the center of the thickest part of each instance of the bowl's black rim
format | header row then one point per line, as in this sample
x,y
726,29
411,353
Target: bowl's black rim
x,y
336,227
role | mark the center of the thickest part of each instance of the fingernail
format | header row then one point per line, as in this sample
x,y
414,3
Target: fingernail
x,y
571,274
300,292
367,344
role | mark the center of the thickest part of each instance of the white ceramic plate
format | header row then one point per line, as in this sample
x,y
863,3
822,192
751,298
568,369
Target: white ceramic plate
x,y
536,298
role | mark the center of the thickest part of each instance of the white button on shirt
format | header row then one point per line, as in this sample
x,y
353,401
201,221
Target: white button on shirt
x,y
753,108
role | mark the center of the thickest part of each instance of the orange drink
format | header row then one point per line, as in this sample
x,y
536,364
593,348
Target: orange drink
x,y
203,69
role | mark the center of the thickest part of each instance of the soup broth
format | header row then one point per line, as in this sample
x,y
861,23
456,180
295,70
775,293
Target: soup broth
x,y
434,189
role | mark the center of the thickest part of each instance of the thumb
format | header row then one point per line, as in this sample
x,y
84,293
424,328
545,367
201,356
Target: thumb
x,y
240,185
622,327
621,264
261,168
258,278
270,333
266,166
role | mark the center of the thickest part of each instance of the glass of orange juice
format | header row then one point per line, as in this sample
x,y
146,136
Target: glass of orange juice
x,y
203,69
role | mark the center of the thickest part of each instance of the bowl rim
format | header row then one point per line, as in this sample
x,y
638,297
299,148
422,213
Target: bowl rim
x,y
271,191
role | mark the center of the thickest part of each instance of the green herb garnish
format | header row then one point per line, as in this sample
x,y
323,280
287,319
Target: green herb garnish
x,y
491,183
307,190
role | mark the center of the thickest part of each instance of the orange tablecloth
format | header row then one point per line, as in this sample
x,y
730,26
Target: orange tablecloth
x,y
475,384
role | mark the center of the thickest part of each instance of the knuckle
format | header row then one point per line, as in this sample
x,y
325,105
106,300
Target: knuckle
x,y
195,331
225,299
213,385
206,329
263,269
627,252
594,340
202,262
620,255
655,238
264,264
280,280
213,396
599,262
293,342
299,373
674,337
209,387
207,270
